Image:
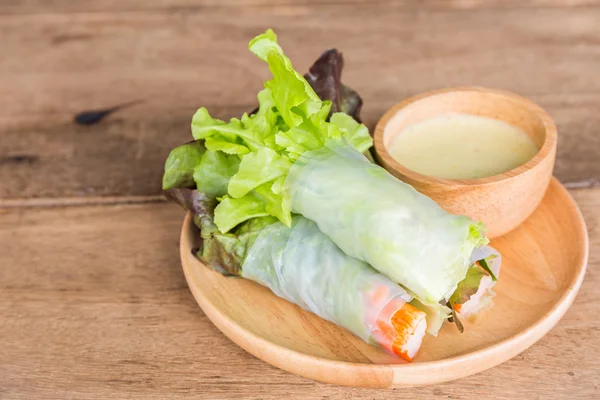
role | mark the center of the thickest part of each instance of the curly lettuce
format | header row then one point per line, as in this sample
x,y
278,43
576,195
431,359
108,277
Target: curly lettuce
x,y
291,119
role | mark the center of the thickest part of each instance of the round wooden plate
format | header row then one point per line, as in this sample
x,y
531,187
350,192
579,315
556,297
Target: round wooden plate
x,y
544,262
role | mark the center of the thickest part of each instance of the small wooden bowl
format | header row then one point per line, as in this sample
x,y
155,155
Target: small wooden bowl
x,y
501,202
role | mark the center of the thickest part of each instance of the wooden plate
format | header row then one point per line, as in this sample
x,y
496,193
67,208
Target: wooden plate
x,y
544,262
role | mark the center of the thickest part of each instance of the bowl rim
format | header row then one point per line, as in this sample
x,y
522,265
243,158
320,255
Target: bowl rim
x,y
547,149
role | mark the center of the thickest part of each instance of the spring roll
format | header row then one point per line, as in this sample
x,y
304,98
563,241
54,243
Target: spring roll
x,y
303,266
388,224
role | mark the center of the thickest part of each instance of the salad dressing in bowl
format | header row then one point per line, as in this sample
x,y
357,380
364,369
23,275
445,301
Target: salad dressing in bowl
x,y
462,146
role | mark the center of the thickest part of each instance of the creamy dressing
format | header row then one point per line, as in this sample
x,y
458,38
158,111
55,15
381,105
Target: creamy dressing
x,y
461,146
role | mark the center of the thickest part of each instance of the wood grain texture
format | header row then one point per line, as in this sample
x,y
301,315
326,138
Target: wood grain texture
x,y
66,6
56,64
94,305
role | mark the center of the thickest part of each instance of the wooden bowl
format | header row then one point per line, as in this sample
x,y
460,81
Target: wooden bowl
x,y
501,202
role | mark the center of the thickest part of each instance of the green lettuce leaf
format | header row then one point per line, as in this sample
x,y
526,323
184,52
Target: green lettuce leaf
x,y
260,202
293,96
203,126
356,134
262,166
216,143
275,204
179,167
277,187
213,172
266,121
299,139
231,138
231,212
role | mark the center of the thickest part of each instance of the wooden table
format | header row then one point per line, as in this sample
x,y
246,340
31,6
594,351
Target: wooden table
x,y
93,303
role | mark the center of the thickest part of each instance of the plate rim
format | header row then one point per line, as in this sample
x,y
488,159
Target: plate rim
x,y
391,375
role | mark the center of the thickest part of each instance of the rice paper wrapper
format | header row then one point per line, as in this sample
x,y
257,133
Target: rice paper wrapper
x,y
378,219
302,265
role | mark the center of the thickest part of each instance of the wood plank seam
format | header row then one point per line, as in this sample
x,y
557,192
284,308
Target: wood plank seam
x,y
408,6
46,202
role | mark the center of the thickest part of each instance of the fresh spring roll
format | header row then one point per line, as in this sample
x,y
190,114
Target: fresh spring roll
x,y
302,265
376,218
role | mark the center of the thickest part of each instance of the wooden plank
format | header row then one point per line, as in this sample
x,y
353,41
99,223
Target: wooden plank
x,y
196,57
48,156
93,305
65,6
55,65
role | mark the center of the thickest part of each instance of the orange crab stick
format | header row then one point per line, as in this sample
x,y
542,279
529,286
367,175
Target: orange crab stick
x,y
400,328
